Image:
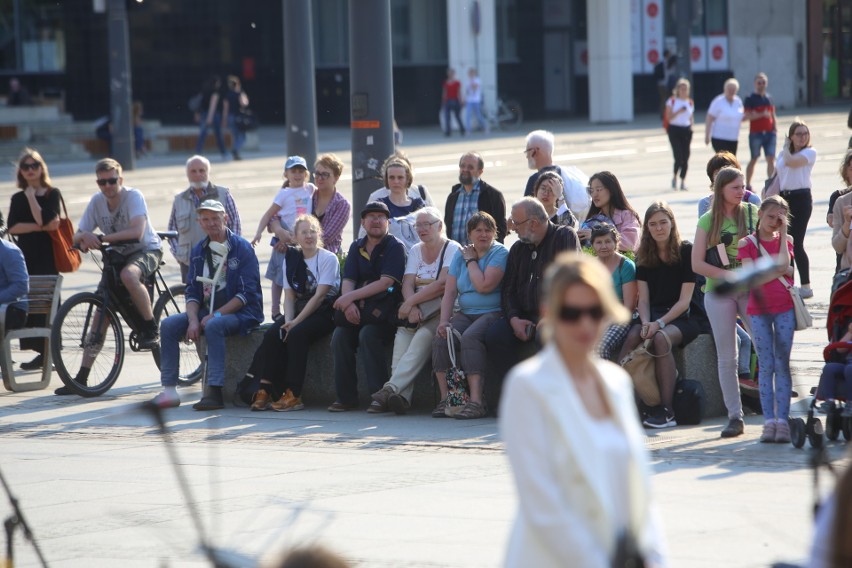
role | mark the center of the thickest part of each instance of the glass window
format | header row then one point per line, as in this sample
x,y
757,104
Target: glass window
x,y
507,29
711,18
331,32
32,37
419,32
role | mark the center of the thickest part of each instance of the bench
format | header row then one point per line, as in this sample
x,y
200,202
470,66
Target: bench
x,y
43,298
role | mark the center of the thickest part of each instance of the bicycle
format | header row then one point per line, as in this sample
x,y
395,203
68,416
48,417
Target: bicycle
x,y
508,116
87,328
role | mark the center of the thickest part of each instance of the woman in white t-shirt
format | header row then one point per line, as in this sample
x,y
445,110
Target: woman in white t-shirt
x,y
724,117
680,114
793,166
473,101
422,289
311,284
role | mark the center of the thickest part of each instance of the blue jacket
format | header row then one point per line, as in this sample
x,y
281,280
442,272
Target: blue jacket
x,y
14,280
242,280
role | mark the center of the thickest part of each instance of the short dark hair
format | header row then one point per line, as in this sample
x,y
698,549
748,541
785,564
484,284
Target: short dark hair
x,y
721,160
481,218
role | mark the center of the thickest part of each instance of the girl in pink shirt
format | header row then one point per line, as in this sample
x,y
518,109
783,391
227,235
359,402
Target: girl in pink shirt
x,y
770,310
610,205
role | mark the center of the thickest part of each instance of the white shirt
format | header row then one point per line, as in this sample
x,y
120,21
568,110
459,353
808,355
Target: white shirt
x,y
294,201
798,177
684,118
132,204
425,274
473,91
729,117
323,268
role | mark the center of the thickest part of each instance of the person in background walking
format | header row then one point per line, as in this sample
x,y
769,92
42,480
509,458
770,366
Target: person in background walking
x,y
724,117
451,102
770,311
680,112
235,100
210,115
794,165
34,211
760,112
572,437
473,101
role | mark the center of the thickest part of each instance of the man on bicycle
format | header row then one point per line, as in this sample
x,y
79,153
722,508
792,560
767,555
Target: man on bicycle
x,y
237,306
121,214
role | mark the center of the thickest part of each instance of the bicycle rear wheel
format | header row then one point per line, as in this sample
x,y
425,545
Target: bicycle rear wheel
x,y
510,115
191,366
86,333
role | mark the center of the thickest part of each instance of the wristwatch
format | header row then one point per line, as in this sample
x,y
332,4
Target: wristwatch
x,y
217,314
661,323
469,260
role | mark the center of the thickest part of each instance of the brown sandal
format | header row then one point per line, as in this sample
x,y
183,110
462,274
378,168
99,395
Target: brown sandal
x,y
440,410
471,411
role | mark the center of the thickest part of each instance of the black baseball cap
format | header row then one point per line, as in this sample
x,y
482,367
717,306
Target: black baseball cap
x,y
375,207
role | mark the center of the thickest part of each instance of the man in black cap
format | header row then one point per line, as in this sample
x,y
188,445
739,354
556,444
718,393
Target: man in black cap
x,y
373,270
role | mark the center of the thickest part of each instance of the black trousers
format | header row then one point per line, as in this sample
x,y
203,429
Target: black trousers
x,y
680,137
801,206
720,145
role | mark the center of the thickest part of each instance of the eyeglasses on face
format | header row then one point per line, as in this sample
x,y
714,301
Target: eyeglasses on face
x,y
107,181
322,175
424,225
572,314
519,223
30,166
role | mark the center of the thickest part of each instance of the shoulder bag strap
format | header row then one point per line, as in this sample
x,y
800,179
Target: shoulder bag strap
x,y
780,279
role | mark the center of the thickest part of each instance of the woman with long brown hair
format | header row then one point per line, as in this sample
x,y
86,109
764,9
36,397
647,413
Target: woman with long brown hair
x,y
34,211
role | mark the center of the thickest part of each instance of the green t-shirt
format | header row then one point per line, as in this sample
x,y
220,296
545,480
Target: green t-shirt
x,y
729,227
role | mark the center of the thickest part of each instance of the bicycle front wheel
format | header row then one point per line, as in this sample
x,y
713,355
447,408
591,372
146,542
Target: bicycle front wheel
x,y
191,367
510,115
87,334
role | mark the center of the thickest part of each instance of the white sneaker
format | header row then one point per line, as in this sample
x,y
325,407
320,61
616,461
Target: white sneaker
x,y
806,293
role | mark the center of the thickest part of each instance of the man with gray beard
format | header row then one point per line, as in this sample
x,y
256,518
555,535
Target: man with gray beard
x,y
182,218
470,195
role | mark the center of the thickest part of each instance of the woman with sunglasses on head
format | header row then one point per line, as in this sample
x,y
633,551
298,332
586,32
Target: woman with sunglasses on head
x,y
793,167
328,204
719,230
34,211
569,424
610,205
549,188
666,282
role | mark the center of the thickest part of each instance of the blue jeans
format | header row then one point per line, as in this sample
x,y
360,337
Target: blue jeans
x,y
173,330
238,135
474,110
369,341
758,140
217,131
773,338
453,106
835,382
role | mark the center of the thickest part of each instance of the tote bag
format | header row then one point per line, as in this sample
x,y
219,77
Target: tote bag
x,y
67,259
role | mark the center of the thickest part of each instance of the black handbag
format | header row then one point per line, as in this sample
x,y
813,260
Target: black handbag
x,y
713,257
245,120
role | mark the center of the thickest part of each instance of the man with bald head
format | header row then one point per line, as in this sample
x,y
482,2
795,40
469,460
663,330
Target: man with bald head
x,y
182,218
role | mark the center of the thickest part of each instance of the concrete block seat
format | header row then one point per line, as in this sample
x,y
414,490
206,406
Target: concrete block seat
x,y
698,362
319,389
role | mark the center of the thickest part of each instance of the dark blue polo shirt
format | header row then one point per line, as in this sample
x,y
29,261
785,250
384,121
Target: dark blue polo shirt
x,y
388,259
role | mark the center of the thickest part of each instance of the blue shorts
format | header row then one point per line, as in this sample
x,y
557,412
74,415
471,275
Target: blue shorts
x,y
758,140
275,268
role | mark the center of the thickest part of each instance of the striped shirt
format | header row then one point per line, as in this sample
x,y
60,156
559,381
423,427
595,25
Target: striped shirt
x,y
333,220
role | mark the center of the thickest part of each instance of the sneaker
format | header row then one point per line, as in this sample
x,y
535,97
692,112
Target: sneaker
x,y
398,404
288,403
440,411
212,400
338,406
65,391
806,293
735,428
661,420
147,341
782,432
261,401
34,364
381,396
167,399
377,407
682,185
750,386
769,430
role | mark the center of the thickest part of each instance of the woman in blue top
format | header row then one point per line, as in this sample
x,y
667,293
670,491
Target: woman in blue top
x,y
605,239
474,278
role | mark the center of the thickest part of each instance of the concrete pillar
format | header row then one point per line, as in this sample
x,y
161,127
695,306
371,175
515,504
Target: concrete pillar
x,y
610,64
120,96
300,101
468,50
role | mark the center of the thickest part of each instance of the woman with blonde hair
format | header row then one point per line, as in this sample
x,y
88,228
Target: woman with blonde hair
x,y
680,114
572,436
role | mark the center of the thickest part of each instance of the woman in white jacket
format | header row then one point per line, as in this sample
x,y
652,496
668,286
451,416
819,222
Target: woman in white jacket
x,y
573,438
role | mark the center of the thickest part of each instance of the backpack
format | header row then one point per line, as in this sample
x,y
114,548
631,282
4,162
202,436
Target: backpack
x,y
688,402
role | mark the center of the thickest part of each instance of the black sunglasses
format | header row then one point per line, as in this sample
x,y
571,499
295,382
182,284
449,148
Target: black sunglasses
x,y
571,314
107,181
30,166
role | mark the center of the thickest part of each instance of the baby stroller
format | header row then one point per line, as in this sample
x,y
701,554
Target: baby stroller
x,y
836,420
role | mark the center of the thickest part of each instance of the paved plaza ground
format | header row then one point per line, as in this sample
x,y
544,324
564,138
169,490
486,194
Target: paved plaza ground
x,y
94,479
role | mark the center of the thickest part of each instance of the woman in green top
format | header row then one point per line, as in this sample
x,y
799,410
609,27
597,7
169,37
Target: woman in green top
x,y
728,220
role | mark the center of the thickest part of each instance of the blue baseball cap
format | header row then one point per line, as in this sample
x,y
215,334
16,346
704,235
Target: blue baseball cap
x,y
294,161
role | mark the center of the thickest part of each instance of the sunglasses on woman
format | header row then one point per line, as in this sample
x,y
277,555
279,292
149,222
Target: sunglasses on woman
x,y
32,166
573,314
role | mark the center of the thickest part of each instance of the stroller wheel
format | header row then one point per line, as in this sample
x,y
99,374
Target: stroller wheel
x,y
815,433
846,425
832,422
797,432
